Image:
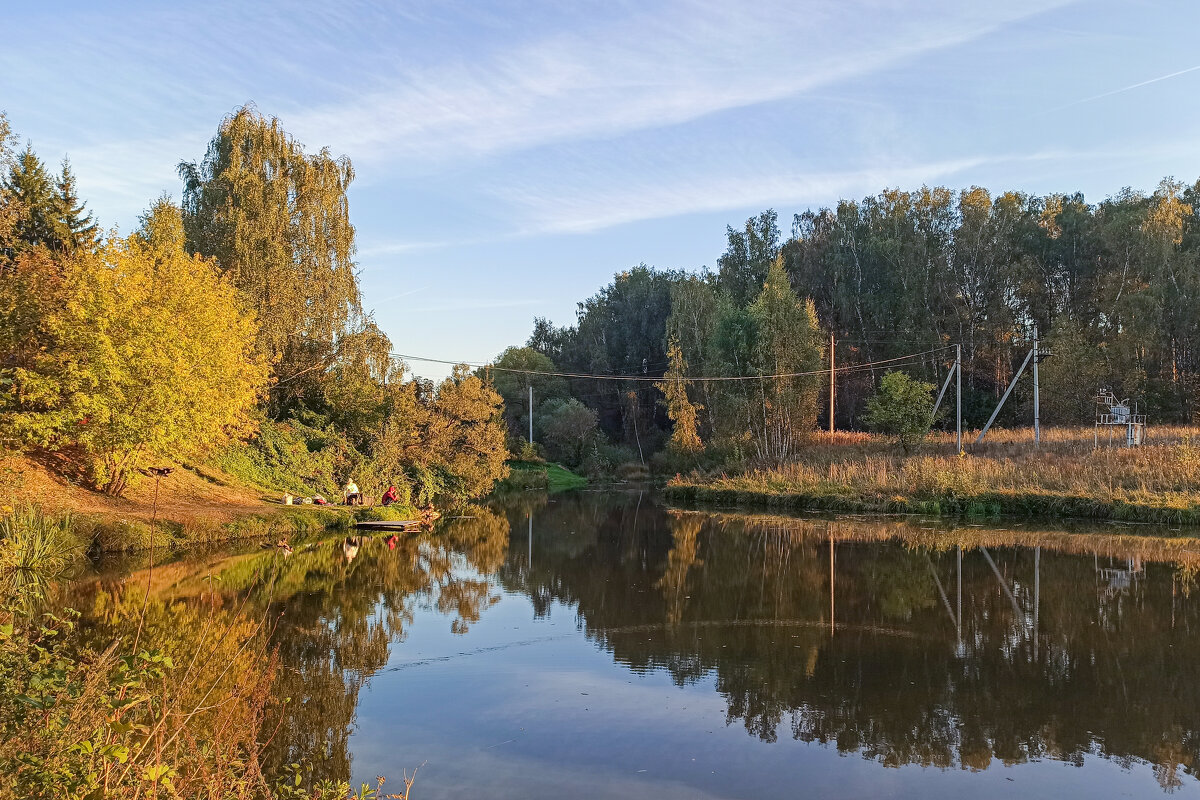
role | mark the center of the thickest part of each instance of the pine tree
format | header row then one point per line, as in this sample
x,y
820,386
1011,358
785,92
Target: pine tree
x,y
32,187
81,230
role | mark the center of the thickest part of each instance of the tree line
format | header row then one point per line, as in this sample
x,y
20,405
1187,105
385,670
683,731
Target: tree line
x,y
1108,288
234,315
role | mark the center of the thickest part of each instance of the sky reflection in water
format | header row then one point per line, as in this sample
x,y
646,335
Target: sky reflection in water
x,y
615,649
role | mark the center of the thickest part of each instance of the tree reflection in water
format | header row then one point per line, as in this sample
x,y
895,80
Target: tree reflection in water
x,y
951,648
903,642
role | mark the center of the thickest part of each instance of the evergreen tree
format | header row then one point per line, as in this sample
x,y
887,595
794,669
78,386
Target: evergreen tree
x,y
33,188
81,230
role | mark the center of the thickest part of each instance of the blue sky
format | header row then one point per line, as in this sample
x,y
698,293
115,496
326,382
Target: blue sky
x,y
512,156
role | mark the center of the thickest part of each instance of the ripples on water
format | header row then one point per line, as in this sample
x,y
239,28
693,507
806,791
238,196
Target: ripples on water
x,y
602,646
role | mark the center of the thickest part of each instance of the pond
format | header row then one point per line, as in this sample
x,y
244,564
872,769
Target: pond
x,y
600,645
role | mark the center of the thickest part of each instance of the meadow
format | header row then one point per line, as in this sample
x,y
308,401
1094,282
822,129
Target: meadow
x,y
1067,475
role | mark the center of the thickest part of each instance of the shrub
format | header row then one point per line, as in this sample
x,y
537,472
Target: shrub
x,y
902,408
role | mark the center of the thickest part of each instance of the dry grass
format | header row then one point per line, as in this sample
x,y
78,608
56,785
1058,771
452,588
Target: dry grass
x,y
1066,475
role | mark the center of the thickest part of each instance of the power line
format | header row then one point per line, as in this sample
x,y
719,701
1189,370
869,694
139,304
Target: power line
x,y
656,379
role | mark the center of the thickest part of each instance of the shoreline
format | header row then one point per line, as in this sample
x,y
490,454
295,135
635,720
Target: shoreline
x,y
1024,505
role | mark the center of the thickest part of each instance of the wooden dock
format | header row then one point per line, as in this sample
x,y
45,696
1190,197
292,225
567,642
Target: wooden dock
x,y
388,525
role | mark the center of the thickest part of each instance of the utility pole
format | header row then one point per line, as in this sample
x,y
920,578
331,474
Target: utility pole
x,y
1037,421
831,345
1007,392
958,397
531,412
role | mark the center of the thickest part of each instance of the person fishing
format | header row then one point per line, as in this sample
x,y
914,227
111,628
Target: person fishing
x,y
392,495
351,496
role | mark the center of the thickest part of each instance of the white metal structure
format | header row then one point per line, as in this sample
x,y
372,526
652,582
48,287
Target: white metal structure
x,y
1115,414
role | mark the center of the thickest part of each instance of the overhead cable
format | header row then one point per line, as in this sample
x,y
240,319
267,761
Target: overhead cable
x,y
658,379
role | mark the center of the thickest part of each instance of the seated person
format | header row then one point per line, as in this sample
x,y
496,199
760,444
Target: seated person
x,y
392,495
351,496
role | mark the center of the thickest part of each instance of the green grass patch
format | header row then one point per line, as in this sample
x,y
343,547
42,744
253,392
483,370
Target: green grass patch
x,y
534,475
561,479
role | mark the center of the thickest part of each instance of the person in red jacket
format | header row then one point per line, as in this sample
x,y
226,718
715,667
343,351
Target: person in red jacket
x,y
392,495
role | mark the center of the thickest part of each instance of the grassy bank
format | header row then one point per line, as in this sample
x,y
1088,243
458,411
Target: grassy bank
x,y
1065,477
524,475
105,534
195,504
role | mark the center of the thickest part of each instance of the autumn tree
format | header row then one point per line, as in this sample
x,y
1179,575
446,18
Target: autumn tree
x,y
445,441
685,436
276,219
156,359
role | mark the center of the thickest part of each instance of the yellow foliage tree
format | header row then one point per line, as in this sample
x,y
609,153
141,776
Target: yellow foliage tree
x,y
685,436
161,357
446,442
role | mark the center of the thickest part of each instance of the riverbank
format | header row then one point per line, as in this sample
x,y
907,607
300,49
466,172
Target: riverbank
x,y
193,505
1006,476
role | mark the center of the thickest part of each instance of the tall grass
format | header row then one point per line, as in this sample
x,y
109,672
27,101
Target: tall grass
x,y
1065,476
35,550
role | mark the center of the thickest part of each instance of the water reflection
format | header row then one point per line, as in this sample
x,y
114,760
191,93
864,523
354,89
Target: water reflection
x,y
903,643
945,648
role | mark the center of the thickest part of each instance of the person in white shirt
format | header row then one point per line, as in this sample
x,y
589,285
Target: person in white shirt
x,y
351,496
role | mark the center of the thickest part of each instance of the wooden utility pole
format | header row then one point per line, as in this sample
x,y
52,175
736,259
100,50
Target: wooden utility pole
x,y
831,346
1037,413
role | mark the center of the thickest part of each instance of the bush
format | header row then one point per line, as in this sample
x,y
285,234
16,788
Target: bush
x,y
902,408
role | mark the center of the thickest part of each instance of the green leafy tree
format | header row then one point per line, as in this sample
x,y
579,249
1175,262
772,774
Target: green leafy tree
x,y
276,219
568,426
788,343
354,387
749,254
1071,379
510,379
903,408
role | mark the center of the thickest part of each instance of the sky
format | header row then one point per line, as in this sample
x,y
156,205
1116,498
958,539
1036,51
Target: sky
x,y
511,157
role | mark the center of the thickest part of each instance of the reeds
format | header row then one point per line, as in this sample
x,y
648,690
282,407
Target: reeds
x,y
35,550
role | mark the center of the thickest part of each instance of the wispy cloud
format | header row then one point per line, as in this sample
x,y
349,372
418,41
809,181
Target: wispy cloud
x,y
396,248
596,208
681,62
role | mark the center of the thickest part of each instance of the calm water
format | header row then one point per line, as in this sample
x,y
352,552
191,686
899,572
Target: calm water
x,y
600,646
